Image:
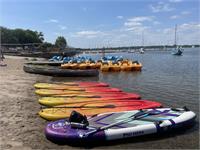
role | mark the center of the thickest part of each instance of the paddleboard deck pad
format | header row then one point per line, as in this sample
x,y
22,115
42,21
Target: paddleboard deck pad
x,y
158,121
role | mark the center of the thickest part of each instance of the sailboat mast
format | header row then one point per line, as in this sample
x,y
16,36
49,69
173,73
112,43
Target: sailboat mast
x,y
175,34
142,38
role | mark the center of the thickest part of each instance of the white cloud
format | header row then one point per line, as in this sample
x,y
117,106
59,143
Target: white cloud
x,y
175,1
88,34
141,19
187,33
168,30
136,23
174,17
120,17
156,23
52,21
57,34
62,27
137,29
132,23
161,7
181,15
185,13
189,26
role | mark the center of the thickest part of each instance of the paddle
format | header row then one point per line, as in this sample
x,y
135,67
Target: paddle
x,y
136,116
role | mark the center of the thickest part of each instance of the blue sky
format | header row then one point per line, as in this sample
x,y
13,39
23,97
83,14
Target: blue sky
x,y
101,23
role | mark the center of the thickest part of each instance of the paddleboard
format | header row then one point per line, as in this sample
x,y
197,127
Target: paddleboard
x,y
53,101
122,125
89,109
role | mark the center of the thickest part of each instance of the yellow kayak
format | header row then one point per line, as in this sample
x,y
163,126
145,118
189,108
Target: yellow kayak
x,y
80,95
53,101
87,108
92,108
59,87
70,84
48,92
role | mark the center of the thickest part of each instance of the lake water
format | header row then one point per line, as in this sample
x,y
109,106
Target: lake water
x,y
171,80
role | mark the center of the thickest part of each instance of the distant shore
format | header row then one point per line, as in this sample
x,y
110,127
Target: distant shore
x,y
71,53
41,54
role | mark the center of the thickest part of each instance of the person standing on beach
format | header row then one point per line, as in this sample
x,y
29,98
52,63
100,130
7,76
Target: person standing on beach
x,y
1,58
1,55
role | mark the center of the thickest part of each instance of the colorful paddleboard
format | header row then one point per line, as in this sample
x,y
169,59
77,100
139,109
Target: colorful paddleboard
x,y
119,125
95,108
53,101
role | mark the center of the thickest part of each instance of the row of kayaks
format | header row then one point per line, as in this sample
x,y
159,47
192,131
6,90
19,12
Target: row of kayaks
x,y
61,99
125,65
82,112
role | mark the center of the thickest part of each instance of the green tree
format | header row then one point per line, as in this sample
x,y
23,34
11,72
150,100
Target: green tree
x,y
20,36
45,46
7,36
61,42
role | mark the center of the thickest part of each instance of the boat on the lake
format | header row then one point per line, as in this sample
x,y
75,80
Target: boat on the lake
x,y
178,51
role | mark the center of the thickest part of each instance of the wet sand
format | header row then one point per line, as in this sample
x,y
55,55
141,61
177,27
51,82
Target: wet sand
x,y
22,128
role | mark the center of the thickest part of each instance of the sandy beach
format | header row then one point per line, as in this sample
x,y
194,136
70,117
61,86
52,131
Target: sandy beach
x,y
21,127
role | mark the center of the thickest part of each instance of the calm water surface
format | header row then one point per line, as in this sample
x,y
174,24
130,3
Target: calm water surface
x,y
171,80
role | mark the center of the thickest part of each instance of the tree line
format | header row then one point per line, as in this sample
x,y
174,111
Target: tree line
x,y
21,36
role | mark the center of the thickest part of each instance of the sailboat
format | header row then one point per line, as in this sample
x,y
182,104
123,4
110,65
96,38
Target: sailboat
x,y
141,50
177,50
